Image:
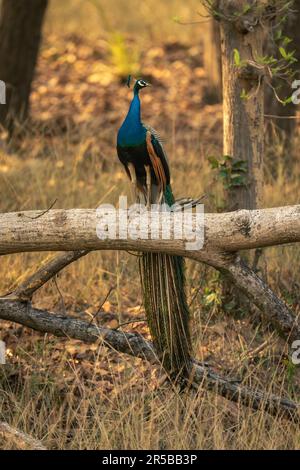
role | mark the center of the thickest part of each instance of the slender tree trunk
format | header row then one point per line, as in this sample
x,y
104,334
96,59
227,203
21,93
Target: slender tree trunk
x,y
212,61
273,107
243,117
20,35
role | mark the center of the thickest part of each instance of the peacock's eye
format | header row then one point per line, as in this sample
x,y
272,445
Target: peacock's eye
x,y
142,83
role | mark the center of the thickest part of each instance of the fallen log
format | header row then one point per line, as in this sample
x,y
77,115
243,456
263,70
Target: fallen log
x,y
23,440
135,345
75,230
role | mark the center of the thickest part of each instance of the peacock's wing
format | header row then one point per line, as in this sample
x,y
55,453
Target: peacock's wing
x,y
158,141
158,158
154,133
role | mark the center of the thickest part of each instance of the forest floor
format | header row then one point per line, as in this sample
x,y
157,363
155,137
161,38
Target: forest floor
x,y
76,396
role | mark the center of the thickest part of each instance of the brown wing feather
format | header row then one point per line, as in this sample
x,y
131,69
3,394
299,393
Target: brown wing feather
x,y
156,163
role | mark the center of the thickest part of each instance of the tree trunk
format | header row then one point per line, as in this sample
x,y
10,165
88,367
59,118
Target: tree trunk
x,y
243,117
212,62
273,107
20,35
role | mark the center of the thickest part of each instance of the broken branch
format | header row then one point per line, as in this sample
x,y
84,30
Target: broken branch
x,y
136,345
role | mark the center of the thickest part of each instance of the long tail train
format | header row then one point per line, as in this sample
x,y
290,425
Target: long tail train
x,y
167,311
163,283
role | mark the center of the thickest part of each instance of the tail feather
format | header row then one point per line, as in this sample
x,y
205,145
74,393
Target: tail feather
x,y
163,284
167,311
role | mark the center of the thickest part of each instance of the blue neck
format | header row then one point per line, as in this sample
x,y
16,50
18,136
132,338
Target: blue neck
x,y
132,131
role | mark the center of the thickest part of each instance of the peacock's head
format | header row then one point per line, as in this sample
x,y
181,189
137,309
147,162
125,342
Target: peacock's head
x,y
139,84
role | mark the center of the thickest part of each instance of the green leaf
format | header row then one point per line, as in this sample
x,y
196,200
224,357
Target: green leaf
x,y
214,162
237,176
286,40
237,180
240,162
270,60
212,298
244,95
240,165
246,8
224,173
275,70
278,34
283,52
287,100
237,58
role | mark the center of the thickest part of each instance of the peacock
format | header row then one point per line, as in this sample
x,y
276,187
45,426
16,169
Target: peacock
x,y
141,152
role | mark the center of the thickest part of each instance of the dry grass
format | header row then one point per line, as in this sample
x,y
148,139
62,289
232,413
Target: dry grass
x,y
76,396
144,20
80,417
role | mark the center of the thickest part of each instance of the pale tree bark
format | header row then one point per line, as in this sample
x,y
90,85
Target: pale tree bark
x,y
75,229
22,439
225,234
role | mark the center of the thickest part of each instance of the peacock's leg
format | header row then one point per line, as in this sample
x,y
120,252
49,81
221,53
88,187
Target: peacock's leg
x,y
161,193
133,179
148,184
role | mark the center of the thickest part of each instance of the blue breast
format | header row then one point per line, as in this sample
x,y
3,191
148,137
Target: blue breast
x,y
132,132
